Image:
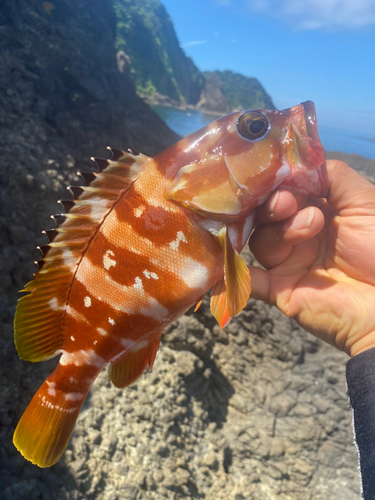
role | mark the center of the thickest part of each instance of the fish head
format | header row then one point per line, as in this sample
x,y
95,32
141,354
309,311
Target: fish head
x,y
243,157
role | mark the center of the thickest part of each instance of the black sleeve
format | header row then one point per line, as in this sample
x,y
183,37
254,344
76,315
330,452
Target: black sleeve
x,y
360,376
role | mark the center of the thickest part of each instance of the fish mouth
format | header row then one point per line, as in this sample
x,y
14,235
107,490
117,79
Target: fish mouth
x,y
305,127
309,175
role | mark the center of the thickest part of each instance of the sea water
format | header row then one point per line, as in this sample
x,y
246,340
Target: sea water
x,y
185,122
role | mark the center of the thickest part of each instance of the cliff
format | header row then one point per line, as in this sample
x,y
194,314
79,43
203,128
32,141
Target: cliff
x,y
62,100
146,34
226,91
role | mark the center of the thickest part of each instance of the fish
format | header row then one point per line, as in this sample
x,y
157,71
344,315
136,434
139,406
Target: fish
x,y
141,244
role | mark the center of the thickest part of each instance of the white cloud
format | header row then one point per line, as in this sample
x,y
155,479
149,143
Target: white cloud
x,y
193,42
315,14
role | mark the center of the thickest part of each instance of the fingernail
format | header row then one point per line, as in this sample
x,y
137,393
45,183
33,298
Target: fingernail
x,y
273,202
303,220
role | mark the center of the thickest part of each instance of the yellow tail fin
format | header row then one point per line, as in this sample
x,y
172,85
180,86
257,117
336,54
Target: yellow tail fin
x,y
45,428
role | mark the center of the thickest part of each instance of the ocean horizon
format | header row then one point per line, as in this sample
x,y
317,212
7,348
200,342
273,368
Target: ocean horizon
x,y
187,121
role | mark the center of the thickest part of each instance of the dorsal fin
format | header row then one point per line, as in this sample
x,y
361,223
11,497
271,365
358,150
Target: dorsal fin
x,y
40,314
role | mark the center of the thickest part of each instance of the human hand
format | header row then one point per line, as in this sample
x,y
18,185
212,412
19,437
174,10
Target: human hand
x,y
319,259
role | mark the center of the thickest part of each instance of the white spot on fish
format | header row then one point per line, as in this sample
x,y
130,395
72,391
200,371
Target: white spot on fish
x,y
73,396
138,285
72,379
180,238
99,207
95,342
81,358
87,301
55,305
149,275
107,261
155,310
112,321
102,331
51,388
72,338
139,345
139,211
286,139
282,174
213,226
194,274
76,315
127,299
68,257
127,343
134,250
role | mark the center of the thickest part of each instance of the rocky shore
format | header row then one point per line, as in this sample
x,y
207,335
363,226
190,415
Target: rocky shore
x,y
256,411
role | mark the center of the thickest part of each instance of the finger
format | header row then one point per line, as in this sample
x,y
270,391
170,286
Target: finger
x,y
279,206
277,284
260,284
271,244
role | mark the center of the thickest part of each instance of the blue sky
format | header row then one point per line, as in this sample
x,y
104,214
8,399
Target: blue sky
x,y
322,50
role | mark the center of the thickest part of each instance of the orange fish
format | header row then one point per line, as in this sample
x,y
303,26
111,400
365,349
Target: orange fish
x,y
141,244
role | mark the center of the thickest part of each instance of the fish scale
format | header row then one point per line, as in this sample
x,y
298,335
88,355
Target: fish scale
x,y
141,244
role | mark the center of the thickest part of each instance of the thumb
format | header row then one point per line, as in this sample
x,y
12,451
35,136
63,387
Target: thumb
x,y
347,189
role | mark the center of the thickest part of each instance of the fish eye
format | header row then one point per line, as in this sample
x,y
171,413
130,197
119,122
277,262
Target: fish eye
x,y
252,125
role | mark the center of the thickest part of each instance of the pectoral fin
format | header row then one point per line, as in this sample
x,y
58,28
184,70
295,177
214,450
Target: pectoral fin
x,y
230,295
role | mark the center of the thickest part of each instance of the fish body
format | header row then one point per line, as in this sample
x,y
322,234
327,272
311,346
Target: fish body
x,y
141,244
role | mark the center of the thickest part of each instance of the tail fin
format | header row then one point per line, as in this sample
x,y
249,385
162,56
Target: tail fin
x,y
45,428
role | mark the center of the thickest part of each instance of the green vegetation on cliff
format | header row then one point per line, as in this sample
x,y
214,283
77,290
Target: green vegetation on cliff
x,y
146,34
240,92
148,46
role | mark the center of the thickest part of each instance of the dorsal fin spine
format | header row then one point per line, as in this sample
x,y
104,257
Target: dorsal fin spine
x,y
76,190
51,234
67,204
88,177
44,249
102,163
59,219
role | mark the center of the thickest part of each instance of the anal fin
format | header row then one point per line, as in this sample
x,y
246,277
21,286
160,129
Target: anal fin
x,y
129,366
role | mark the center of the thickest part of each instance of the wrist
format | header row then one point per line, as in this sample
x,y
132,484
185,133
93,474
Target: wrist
x,y
363,344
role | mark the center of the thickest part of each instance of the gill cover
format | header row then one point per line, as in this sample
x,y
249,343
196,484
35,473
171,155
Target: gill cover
x,y
211,186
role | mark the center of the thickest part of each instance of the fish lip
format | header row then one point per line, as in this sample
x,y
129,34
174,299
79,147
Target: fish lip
x,y
306,155
310,119
305,127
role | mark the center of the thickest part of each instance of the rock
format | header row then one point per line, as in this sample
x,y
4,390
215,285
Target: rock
x,y
282,404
